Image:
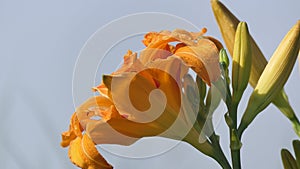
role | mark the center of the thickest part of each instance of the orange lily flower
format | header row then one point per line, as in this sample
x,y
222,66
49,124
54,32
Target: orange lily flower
x,y
146,97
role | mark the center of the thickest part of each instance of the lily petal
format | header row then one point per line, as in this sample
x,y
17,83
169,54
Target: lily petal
x,y
82,151
75,130
197,51
84,154
203,59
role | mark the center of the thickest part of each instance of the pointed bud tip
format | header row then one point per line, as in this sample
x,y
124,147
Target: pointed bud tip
x,y
243,24
296,143
215,3
297,26
223,58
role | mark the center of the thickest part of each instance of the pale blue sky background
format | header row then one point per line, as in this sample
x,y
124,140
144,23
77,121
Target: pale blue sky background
x,y
39,44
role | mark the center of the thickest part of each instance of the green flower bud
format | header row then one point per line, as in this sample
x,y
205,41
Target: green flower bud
x,y
242,56
274,76
224,64
228,23
224,60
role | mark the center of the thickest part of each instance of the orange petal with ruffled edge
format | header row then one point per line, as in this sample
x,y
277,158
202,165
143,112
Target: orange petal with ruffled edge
x,y
84,154
98,129
203,59
94,107
158,46
75,130
199,52
130,64
82,151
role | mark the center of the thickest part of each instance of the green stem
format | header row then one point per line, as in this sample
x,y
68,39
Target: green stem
x,y
211,149
235,144
217,155
221,156
221,159
236,159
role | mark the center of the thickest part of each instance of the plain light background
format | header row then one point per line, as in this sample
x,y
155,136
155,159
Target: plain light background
x,y
39,44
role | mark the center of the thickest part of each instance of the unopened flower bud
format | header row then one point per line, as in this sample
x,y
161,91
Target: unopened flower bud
x,y
242,56
223,58
274,76
228,23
